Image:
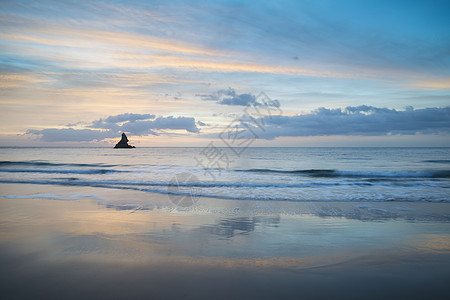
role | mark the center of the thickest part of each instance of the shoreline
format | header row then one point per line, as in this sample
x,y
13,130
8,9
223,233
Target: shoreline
x,y
133,200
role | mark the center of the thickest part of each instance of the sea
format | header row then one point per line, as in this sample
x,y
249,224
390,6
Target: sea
x,y
264,174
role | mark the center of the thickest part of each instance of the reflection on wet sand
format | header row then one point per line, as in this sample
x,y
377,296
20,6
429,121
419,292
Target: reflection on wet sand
x,y
77,249
229,227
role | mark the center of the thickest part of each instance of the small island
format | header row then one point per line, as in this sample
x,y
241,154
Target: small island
x,y
123,143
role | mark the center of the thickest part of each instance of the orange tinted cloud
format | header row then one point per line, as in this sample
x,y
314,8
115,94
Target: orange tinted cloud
x,y
434,84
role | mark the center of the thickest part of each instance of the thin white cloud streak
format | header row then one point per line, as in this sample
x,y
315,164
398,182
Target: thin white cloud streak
x,y
91,48
207,37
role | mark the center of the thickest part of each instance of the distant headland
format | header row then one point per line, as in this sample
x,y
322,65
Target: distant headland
x,y
123,143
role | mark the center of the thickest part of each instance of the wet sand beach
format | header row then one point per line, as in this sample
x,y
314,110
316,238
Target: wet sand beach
x,y
107,247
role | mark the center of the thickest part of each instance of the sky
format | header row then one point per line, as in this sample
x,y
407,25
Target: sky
x,y
187,73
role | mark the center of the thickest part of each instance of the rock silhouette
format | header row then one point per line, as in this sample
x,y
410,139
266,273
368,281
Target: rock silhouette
x,y
123,143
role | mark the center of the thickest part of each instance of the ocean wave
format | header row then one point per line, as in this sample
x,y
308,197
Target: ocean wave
x,y
229,185
206,184
45,163
357,174
215,184
438,161
61,171
230,195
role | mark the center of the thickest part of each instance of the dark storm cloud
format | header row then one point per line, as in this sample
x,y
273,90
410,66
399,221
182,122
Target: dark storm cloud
x,y
359,120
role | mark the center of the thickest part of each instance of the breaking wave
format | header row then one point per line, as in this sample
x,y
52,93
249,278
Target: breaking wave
x,y
356,174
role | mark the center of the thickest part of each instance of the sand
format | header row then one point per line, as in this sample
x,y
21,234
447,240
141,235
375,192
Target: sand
x,y
68,242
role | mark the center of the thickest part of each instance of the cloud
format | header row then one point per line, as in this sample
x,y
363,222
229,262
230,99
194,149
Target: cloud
x,y
160,123
111,126
230,97
71,135
358,121
128,117
144,124
217,96
111,122
242,100
321,40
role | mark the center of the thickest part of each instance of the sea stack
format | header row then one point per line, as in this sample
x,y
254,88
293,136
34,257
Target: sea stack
x,y
123,143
